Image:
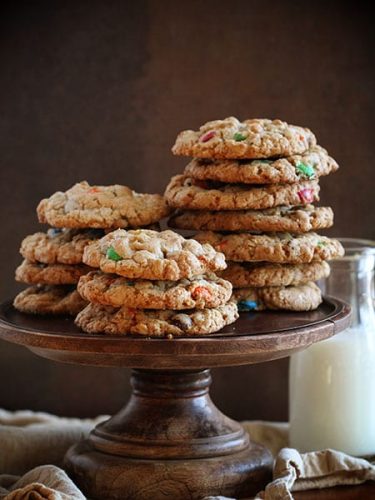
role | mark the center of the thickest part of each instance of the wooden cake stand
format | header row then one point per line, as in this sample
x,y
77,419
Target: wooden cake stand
x,y
170,441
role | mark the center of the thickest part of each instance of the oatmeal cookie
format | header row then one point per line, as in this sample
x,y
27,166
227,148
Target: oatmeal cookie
x,y
309,165
262,274
46,299
274,247
35,273
291,219
101,207
155,323
185,192
151,255
195,293
255,138
305,297
58,246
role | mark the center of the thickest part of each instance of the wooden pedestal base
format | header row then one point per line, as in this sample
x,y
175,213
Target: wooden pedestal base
x,y
170,441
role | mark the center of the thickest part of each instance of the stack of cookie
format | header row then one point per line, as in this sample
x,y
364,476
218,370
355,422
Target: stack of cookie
x,y
249,190
154,284
53,260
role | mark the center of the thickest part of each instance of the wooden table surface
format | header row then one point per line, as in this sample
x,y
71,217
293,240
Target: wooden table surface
x,y
360,492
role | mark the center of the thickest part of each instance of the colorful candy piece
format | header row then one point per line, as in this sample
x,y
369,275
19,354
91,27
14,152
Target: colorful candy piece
x,y
201,292
54,231
247,305
239,137
306,195
94,190
321,244
113,255
207,136
305,170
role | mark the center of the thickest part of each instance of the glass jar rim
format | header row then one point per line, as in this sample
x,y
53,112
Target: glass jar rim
x,y
357,245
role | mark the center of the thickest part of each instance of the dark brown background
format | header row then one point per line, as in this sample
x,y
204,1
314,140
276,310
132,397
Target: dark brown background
x,y
98,90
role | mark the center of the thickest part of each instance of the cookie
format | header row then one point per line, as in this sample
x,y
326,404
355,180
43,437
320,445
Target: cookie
x,y
305,297
58,246
116,291
274,247
101,207
152,255
255,138
46,299
154,323
309,165
50,274
290,219
261,274
185,192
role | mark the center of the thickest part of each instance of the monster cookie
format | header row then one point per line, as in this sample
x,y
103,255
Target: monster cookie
x,y
50,300
261,274
50,274
256,138
152,255
116,291
153,323
290,219
101,207
277,247
310,165
58,246
185,192
305,297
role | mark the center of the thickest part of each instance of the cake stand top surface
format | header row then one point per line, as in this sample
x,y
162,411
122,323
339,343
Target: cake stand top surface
x,y
254,338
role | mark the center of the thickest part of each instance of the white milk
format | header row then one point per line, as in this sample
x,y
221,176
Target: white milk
x,y
332,394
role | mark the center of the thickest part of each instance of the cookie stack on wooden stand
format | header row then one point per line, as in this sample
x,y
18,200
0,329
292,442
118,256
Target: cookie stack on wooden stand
x,y
154,284
249,191
53,259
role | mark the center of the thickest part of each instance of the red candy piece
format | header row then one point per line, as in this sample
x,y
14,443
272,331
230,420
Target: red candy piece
x,y
202,258
206,137
306,195
94,190
222,244
201,291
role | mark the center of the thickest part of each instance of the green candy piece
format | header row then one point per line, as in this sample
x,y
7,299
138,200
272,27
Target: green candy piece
x,y
113,255
239,137
321,244
304,169
267,162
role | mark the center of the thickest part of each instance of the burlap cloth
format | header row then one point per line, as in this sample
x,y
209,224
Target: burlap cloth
x,y
32,447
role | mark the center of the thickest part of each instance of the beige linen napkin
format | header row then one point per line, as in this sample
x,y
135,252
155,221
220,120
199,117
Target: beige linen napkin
x,y
296,472
32,444
29,440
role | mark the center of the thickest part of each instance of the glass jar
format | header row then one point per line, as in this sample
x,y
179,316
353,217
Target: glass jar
x,y
332,383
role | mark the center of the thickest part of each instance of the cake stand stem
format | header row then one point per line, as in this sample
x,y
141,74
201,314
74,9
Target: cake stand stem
x,y
169,441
